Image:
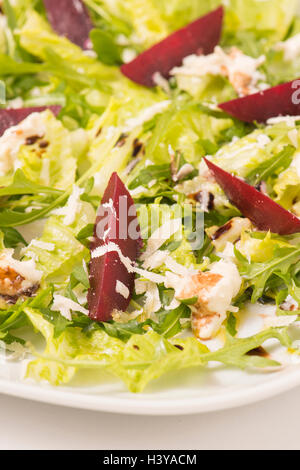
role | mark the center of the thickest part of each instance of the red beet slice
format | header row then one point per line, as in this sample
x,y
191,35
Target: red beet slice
x,y
113,224
71,19
259,208
201,36
12,117
282,100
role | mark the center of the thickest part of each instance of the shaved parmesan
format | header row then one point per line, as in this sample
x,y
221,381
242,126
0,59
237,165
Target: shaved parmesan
x,y
161,235
122,289
65,305
131,268
72,207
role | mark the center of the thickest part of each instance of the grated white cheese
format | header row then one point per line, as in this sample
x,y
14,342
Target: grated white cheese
x,y
161,235
146,115
289,120
131,268
72,207
152,303
43,245
65,306
14,137
122,289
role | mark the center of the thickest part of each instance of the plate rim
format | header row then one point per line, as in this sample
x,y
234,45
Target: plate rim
x,y
248,395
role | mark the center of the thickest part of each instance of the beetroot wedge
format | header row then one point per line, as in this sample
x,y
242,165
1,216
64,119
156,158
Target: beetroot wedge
x,y
281,100
12,117
71,19
111,283
201,36
263,212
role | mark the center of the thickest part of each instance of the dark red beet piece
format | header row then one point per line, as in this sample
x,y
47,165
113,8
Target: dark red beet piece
x,y
263,212
71,19
12,117
201,36
282,100
115,219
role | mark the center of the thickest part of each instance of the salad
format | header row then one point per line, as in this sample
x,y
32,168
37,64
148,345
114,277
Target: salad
x,y
149,186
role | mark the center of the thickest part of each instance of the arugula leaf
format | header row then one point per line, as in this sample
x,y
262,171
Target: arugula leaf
x,y
272,166
22,185
257,274
169,321
151,173
12,238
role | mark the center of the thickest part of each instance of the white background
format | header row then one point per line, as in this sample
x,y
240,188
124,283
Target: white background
x,y
273,424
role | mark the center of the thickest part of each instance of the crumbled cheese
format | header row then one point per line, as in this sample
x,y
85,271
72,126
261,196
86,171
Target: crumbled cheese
x,y
291,47
226,289
14,137
240,69
290,304
122,289
146,115
161,235
17,277
27,269
215,291
65,305
72,207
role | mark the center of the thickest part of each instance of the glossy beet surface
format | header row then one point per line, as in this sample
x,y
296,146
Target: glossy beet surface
x,y
114,220
201,36
282,100
71,19
263,212
12,117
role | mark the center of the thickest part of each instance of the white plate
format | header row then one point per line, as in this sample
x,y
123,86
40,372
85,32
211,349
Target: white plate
x,y
177,393
197,392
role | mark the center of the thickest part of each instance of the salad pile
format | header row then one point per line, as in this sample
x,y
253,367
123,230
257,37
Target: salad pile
x,y
149,185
